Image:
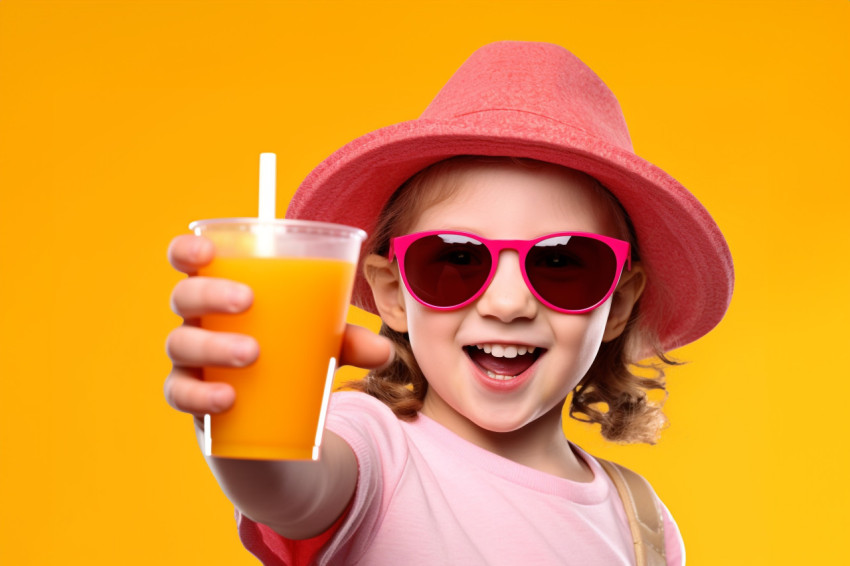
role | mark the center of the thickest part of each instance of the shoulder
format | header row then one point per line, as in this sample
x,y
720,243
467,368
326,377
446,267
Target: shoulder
x,y
355,400
644,511
377,437
352,411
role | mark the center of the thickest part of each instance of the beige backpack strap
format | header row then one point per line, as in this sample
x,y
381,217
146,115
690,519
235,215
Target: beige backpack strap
x,y
643,512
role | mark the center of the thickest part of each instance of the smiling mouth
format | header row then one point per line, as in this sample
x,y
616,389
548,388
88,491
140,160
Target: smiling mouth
x,y
503,361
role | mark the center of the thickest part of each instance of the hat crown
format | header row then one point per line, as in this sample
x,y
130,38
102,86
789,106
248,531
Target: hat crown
x,y
537,78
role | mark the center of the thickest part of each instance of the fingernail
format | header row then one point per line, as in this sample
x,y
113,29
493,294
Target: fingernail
x,y
219,399
243,352
200,248
390,359
238,297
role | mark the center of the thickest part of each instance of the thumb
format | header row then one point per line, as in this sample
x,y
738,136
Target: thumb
x,y
365,349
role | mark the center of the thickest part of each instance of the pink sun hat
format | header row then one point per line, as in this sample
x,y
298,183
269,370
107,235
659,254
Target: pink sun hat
x,y
539,101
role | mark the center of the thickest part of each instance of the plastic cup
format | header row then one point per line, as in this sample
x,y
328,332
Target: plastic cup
x,y
302,275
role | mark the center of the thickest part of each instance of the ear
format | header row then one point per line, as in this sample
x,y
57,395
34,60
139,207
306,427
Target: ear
x,y
386,284
628,291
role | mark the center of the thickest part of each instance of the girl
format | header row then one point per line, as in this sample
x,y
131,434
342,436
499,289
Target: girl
x,y
519,252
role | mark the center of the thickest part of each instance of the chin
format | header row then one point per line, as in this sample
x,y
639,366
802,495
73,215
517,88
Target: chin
x,y
504,425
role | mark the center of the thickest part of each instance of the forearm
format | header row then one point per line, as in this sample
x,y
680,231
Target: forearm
x,y
298,499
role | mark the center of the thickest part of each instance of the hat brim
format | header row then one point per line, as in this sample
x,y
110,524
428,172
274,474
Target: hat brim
x,y
688,261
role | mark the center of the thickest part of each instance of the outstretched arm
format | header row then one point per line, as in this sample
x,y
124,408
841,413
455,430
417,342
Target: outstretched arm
x,y
298,499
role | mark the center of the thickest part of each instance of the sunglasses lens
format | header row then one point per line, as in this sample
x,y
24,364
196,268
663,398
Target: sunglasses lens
x,y
571,272
444,270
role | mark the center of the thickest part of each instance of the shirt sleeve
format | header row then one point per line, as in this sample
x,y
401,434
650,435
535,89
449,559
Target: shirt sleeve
x,y
675,546
373,432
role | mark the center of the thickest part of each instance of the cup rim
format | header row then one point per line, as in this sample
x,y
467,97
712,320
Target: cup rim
x,y
304,226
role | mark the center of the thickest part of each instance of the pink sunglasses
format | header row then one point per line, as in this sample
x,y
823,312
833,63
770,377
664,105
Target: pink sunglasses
x,y
570,272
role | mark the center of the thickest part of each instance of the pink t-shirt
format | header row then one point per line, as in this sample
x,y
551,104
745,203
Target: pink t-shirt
x,y
426,496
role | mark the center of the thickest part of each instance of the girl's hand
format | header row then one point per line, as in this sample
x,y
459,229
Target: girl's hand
x,y
191,347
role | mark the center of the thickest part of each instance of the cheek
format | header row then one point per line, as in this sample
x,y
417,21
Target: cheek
x,y
597,321
581,336
430,335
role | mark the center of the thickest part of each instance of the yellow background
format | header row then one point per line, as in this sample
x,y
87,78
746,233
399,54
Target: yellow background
x,y
122,121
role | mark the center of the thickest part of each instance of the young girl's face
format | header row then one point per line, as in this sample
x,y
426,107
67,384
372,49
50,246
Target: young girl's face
x,y
455,348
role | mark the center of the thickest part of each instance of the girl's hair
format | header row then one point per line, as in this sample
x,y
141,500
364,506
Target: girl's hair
x,y
609,394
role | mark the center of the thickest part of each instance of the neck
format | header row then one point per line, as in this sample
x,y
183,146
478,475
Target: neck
x,y
540,444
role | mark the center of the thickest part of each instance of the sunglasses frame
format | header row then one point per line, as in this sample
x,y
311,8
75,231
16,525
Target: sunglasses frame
x,y
621,249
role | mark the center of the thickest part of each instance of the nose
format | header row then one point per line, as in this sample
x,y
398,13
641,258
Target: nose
x,y
507,298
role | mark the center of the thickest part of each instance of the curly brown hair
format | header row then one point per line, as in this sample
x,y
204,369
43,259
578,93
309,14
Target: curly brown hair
x,y
610,394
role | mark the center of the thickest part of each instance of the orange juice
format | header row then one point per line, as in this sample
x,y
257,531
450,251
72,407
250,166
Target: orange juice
x,y
298,318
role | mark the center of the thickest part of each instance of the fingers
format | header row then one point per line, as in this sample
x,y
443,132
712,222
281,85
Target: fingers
x,y
365,349
188,253
193,347
190,348
185,391
196,296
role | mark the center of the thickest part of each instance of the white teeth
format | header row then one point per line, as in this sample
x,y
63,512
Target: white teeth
x,y
499,376
500,351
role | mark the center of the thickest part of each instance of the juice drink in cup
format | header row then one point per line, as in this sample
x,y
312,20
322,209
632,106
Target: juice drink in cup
x,y
301,274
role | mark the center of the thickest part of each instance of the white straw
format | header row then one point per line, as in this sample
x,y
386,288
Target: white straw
x,y
268,185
